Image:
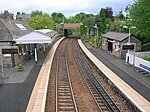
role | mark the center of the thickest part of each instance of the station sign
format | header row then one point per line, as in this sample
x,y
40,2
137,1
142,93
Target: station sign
x,y
128,47
9,51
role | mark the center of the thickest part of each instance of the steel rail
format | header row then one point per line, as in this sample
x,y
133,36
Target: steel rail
x,y
68,73
91,78
95,94
65,100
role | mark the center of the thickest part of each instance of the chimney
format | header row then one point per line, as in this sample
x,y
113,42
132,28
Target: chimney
x,y
8,15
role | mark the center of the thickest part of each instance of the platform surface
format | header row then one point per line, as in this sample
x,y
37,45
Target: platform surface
x,y
125,71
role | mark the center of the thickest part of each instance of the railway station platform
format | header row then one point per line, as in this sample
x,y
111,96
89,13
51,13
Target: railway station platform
x,y
125,71
16,87
134,85
29,94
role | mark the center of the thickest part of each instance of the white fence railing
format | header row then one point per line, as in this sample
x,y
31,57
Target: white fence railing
x,y
138,62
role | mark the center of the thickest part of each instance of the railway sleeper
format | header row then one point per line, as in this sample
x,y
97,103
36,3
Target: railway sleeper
x,y
66,108
65,100
65,96
66,111
65,104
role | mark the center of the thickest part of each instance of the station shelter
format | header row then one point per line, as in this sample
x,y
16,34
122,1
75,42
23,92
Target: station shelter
x,y
32,42
113,42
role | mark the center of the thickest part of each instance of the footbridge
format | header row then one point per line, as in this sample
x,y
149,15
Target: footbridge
x,y
66,26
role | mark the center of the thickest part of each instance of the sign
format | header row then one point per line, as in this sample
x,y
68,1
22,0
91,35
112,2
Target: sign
x,y
9,51
128,47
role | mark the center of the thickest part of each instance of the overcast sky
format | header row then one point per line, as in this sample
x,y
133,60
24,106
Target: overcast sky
x,y
67,7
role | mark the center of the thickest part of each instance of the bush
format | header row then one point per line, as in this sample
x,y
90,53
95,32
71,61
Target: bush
x,y
147,58
20,66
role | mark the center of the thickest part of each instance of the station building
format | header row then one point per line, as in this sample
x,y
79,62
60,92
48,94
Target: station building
x,y
113,41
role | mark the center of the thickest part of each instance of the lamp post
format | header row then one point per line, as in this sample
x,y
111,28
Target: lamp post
x,y
86,30
129,40
96,33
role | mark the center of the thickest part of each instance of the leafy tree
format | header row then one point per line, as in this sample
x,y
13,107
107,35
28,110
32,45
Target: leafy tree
x,y
78,18
37,12
127,16
41,22
100,21
117,26
120,16
109,13
74,19
118,23
89,21
85,20
58,17
140,15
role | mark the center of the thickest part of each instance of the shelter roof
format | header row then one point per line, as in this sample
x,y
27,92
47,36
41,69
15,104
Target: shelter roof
x,y
47,32
44,30
116,35
33,38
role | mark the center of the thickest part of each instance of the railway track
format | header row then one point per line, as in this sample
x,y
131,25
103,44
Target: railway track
x,y
70,69
103,100
65,101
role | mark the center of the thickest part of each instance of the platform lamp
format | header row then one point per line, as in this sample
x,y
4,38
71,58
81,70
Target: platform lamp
x,y
96,33
129,41
87,31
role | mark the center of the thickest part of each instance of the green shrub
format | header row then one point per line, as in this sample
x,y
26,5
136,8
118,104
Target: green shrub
x,y
20,66
147,58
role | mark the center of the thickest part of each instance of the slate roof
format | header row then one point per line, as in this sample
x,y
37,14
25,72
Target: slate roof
x,y
9,30
116,35
23,17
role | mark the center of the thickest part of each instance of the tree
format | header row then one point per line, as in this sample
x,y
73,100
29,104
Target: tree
x,y
41,22
37,12
109,13
58,17
120,16
117,25
140,15
100,21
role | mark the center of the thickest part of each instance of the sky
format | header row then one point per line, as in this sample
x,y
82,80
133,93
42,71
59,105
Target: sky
x,y
67,7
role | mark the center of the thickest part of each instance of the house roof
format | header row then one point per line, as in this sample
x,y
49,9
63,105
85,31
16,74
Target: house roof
x,y
10,29
23,17
116,35
33,38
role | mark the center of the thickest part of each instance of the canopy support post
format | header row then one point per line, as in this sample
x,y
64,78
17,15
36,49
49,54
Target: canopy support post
x,y
35,52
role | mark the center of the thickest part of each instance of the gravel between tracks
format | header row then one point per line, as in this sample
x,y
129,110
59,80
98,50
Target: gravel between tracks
x,y
84,99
